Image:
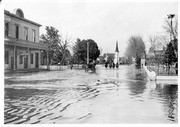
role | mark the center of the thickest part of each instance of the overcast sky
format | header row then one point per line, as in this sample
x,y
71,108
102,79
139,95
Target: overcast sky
x,y
104,22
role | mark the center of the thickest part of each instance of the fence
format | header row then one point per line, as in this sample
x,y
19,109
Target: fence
x,y
60,67
162,70
54,67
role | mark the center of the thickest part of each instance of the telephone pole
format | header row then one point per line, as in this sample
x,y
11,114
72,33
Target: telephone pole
x,y
171,16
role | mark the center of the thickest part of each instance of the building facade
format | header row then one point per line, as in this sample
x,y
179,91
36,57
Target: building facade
x,y
22,49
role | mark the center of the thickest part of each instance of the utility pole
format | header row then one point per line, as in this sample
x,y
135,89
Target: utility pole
x,y
87,52
171,16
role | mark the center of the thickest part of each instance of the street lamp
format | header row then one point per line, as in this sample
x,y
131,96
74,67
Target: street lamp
x,y
171,16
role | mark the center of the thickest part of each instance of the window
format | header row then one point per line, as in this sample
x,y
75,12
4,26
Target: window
x,y
34,36
6,29
21,59
26,34
17,32
31,58
6,57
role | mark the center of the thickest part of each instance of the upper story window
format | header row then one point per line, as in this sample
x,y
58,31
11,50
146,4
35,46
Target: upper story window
x,y
6,29
17,31
34,36
26,34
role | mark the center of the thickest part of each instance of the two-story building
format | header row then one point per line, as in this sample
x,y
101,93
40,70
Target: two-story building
x,y
22,48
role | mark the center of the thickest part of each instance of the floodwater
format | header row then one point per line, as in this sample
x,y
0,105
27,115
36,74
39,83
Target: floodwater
x,y
122,95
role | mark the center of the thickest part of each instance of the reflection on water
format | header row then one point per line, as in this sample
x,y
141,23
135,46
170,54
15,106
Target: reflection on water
x,y
137,87
119,96
25,94
168,95
165,94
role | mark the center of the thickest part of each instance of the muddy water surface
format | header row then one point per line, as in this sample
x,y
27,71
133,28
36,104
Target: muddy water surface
x,y
121,95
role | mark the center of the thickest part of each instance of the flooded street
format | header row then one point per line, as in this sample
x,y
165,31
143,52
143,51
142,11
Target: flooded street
x,y
122,95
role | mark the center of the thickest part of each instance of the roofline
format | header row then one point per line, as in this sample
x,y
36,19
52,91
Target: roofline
x,y
23,19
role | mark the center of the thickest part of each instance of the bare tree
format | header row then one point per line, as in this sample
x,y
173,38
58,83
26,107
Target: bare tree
x,y
58,46
153,41
158,40
157,44
63,44
171,30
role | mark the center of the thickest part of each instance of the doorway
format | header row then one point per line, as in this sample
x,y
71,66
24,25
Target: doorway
x,y
36,60
12,63
25,62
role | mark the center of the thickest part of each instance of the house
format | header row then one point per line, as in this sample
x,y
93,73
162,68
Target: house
x,y
22,49
155,55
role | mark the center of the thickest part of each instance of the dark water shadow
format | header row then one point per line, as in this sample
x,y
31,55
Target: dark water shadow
x,y
136,88
167,94
25,94
11,81
136,74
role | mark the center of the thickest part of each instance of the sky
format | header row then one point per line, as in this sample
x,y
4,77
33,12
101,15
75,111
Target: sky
x,y
105,22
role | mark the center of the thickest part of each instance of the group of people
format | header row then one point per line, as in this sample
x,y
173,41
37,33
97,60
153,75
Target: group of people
x,y
111,65
91,66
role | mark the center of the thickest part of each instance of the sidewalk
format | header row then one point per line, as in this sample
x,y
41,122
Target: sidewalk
x,y
154,77
7,72
49,79
41,68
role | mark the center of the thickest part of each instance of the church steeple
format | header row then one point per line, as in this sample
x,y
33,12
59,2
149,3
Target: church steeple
x,y
117,49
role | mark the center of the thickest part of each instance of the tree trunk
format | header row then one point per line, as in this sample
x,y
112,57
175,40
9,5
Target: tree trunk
x,y
62,58
158,69
168,69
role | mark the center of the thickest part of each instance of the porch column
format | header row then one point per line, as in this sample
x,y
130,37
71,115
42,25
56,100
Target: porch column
x,y
29,56
39,59
14,53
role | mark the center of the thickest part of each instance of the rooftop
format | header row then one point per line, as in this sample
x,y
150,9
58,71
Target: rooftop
x,y
18,13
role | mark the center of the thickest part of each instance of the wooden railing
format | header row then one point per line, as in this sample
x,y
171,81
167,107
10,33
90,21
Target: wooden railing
x,y
24,43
